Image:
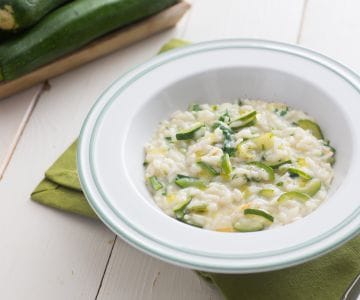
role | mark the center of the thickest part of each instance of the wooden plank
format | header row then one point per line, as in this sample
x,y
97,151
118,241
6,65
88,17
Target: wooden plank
x,y
262,19
139,276
14,113
45,254
133,275
99,48
333,29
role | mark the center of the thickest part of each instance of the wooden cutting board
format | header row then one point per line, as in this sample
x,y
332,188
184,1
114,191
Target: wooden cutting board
x,y
101,47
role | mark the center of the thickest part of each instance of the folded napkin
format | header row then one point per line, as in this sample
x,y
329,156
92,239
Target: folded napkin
x,y
324,278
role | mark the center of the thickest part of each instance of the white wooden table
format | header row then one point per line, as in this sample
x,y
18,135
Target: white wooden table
x,y
47,254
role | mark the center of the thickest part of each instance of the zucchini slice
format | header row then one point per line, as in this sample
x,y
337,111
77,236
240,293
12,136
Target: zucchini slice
x,y
298,173
244,121
155,183
189,134
179,209
184,181
266,168
266,193
260,213
312,127
207,168
16,15
279,164
249,224
264,141
244,151
68,28
197,206
311,188
294,195
226,167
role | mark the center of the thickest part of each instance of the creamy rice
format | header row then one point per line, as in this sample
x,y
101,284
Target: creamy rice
x,y
238,167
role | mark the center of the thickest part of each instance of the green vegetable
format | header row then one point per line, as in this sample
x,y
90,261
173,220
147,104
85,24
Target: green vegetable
x,y
264,141
266,168
155,183
68,28
312,126
228,140
16,15
297,172
244,121
311,188
282,112
249,224
226,164
293,196
331,160
190,133
184,181
195,107
225,118
279,164
207,168
267,193
180,208
260,213
197,207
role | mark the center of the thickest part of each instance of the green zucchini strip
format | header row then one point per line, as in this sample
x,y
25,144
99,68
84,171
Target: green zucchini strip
x,y
260,213
266,168
297,172
244,121
155,183
199,207
189,134
179,209
184,181
266,193
249,224
312,127
207,168
226,164
279,164
293,196
311,188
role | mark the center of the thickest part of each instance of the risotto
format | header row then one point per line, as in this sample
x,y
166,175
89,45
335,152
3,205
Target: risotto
x,y
242,167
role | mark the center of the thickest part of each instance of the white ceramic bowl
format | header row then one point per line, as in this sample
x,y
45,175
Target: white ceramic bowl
x,y
110,152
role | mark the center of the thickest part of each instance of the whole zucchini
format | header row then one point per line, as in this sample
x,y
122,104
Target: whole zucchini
x,y
69,28
16,15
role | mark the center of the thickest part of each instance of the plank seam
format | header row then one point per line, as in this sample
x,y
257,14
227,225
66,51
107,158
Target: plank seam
x,y
20,130
302,21
105,269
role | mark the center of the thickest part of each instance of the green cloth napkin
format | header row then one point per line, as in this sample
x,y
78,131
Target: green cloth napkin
x,y
324,278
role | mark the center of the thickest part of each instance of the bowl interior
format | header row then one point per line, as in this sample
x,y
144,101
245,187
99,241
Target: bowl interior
x,y
228,84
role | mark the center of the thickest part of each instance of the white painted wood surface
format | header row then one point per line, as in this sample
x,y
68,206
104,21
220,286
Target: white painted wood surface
x,y
47,254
